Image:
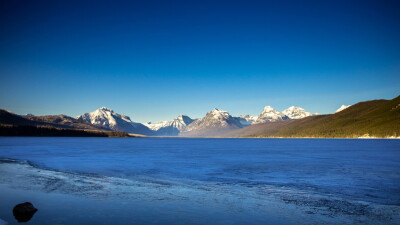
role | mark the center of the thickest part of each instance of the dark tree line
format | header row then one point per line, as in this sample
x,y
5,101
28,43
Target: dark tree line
x,y
7,130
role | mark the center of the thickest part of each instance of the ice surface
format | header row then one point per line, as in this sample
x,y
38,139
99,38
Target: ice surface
x,y
231,181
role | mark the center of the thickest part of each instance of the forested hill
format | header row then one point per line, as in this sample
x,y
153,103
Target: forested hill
x,y
376,118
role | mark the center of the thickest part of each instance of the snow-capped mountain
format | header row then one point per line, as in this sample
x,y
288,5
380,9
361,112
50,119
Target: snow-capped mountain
x,y
107,118
343,107
156,126
213,122
296,112
247,120
269,114
170,128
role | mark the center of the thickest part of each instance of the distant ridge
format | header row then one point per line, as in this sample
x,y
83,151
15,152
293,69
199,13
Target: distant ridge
x,y
170,128
53,126
56,121
64,121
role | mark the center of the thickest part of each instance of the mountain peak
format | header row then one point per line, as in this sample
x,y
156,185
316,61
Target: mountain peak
x,y
214,120
269,114
295,112
219,114
217,110
183,118
105,109
268,109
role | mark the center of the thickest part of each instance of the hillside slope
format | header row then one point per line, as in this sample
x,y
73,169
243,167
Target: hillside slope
x,y
376,118
49,126
55,121
8,118
65,122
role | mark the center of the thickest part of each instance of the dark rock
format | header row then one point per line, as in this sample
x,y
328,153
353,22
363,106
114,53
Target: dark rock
x,y
23,212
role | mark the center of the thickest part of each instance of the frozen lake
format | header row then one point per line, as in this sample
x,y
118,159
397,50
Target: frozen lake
x,y
201,181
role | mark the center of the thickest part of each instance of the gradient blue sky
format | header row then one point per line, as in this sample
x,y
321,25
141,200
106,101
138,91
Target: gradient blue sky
x,y
153,60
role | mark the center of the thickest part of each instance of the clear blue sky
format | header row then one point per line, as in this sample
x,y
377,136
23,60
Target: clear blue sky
x,y
153,60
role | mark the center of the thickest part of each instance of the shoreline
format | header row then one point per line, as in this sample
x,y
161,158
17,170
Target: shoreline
x,y
194,137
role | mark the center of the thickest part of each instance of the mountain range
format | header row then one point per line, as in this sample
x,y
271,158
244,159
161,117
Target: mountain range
x,y
291,122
